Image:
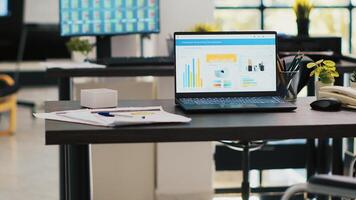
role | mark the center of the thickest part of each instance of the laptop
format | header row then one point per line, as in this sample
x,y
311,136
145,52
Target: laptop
x,y
227,71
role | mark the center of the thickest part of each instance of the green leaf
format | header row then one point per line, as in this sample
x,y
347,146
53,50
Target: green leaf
x,y
329,63
311,65
335,74
319,62
312,73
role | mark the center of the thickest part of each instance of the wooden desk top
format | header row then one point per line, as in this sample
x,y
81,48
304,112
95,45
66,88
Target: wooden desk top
x,y
302,123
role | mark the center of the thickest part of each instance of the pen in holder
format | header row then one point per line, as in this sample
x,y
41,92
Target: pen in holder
x,y
289,77
289,85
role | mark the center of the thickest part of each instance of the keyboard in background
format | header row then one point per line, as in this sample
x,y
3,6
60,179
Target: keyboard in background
x,y
230,100
135,61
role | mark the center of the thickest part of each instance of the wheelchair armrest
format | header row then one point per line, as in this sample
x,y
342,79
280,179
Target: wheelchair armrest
x,y
335,181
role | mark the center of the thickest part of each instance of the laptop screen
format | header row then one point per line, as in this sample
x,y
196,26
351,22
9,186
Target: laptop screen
x,y
228,62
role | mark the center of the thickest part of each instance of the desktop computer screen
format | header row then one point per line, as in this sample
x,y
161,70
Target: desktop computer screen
x,y
4,8
108,17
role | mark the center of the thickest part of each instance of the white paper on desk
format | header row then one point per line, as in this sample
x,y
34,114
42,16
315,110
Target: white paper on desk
x,y
54,116
125,116
71,65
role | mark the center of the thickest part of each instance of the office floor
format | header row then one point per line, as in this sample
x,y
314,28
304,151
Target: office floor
x,y
29,169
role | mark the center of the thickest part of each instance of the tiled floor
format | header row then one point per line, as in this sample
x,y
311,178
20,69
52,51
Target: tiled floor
x,y
28,168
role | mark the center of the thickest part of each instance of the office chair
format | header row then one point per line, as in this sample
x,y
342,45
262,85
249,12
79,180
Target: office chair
x,y
247,146
331,185
8,90
12,40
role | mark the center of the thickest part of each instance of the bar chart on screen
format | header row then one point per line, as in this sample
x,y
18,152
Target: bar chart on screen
x,y
192,74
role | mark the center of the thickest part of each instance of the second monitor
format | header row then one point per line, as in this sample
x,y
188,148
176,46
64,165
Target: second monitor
x,y
108,17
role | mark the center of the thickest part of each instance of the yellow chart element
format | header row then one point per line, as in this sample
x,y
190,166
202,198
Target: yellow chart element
x,y
221,58
192,76
199,81
191,79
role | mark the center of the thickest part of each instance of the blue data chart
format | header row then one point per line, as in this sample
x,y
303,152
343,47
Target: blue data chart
x,y
108,17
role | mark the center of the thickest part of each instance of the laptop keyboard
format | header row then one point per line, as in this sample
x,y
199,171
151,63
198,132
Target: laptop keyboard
x,y
231,100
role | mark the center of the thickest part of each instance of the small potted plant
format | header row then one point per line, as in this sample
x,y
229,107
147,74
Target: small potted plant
x,y
324,72
353,79
80,48
302,10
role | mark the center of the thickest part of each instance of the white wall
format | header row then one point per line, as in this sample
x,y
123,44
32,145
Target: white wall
x,y
180,16
41,11
184,170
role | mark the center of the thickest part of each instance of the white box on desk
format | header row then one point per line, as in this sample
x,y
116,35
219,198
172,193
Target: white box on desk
x,y
98,98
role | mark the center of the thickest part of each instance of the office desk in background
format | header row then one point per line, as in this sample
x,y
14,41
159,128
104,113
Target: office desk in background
x,y
303,123
64,76
30,73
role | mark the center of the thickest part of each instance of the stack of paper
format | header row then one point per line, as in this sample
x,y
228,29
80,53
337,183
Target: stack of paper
x,y
115,117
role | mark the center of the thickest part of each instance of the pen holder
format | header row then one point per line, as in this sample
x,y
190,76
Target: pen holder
x,y
289,85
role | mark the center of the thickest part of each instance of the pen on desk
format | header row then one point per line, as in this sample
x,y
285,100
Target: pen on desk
x,y
108,114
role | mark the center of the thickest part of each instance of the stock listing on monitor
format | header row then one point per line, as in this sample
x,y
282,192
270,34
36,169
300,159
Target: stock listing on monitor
x,y
108,17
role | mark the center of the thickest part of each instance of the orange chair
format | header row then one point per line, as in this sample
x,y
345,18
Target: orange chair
x,y
8,103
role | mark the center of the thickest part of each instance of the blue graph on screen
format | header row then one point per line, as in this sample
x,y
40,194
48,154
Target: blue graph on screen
x,y
108,17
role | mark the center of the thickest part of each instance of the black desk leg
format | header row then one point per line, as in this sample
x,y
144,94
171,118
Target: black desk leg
x,y
63,94
75,173
64,89
311,161
78,165
337,157
63,179
323,161
311,158
324,156
337,167
245,186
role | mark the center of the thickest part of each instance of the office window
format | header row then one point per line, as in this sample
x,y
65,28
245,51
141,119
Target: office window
x,y
281,20
331,21
270,3
331,2
328,18
229,20
232,3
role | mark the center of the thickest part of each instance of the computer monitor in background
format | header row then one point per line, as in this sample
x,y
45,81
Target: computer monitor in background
x,y
105,18
20,41
108,17
4,8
